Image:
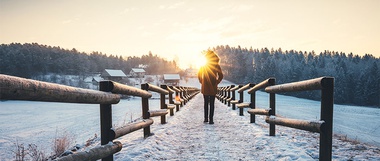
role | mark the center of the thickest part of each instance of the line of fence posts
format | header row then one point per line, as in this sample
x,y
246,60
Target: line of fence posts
x,y
323,126
226,95
15,88
243,104
233,99
272,103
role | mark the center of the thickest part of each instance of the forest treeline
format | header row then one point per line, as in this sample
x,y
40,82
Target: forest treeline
x,y
357,78
31,60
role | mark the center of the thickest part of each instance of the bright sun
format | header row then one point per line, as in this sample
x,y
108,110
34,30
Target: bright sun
x,y
200,62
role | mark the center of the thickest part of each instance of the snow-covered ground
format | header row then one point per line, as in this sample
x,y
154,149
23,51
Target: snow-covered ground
x,y
232,137
186,137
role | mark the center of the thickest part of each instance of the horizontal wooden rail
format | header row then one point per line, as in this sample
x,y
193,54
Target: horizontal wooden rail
x,y
312,84
160,112
235,101
157,89
312,126
325,125
170,106
171,91
243,105
175,89
235,88
121,131
242,89
262,85
118,88
15,88
258,111
94,153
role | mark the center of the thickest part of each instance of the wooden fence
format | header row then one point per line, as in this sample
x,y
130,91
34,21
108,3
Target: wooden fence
x,y
323,126
15,88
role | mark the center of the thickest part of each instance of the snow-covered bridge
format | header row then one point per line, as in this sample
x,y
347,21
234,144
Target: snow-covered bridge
x,y
184,136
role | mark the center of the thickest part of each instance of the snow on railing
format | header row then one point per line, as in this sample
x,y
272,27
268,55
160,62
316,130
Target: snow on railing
x,y
323,126
15,88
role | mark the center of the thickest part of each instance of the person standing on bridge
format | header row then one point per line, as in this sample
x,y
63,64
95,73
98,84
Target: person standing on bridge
x,y
210,75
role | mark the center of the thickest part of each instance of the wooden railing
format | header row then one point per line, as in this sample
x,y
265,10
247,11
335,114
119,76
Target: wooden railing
x,y
15,88
323,126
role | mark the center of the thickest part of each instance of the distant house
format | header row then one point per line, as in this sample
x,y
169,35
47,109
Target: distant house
x,y
137,73
114,75
96,80
172,79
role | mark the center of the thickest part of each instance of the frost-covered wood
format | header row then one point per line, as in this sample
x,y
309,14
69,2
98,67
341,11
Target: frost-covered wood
x,y
259,111
15,88
170,106
261,85
242,89
118,88
243,105
312,126
161,112
156,89
119,132
94,153
311,84
235,88
234,101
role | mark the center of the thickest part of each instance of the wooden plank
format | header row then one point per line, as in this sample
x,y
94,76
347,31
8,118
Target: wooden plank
x,y
235,102
157,89
243,105
16,88
261,85
94,153
311,84
235,88
312,126
119,88
161,112
242,89
258,111
170,106
119,132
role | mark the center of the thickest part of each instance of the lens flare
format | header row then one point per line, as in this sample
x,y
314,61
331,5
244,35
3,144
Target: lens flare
x,y
200,62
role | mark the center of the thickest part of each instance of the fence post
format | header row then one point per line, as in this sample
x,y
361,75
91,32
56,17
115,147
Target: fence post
x,y
224,99
233,98
229,96
163,106
327,105
272,106
253,106
145,110
105,120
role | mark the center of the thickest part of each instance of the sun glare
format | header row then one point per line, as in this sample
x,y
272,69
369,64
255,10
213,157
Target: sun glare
x,y
200,62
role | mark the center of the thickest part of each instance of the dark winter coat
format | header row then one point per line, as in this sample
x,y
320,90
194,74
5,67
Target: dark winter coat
x,y
210,75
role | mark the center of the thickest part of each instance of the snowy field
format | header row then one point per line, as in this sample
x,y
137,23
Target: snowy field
x,y
185,137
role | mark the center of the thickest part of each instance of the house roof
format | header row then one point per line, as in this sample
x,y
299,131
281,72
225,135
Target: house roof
x,y
171,77
138,70
115,73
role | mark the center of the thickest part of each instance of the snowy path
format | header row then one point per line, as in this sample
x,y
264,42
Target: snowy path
x,y
232,137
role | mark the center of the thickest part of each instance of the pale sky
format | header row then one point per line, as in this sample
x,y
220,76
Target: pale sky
x,y
182,29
